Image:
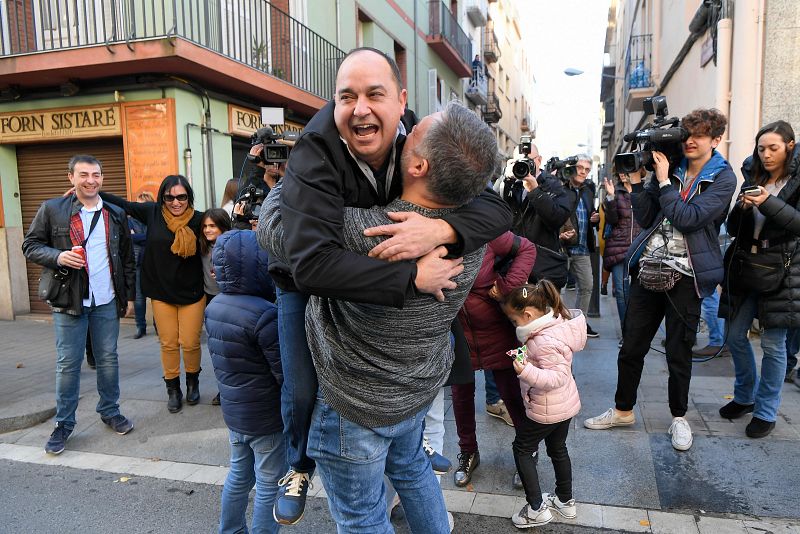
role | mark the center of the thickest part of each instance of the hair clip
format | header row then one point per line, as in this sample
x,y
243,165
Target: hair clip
x,y
524,292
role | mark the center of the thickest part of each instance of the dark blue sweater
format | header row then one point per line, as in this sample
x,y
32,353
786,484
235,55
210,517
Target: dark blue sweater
x,y
242,324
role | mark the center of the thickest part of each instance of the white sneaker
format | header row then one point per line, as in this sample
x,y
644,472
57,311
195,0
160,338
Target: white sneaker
x,y
609,419
527,518
681,434
564,509
451,521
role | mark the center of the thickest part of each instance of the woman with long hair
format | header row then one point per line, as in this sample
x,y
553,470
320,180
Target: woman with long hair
x,y
229,195
619,214
215,222
765,222
172,276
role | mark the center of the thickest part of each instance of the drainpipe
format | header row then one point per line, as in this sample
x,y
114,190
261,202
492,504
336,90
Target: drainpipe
x,y
655,50
722,99
759,70
205,144
745,81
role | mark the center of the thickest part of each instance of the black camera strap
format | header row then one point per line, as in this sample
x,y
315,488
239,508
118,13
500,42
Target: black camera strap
x,y
95,217
85,270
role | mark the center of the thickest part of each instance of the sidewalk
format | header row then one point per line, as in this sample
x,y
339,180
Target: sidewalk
x,y
624,479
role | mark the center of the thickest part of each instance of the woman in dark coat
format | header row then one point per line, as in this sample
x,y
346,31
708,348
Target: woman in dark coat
x,y
619,214
765,220
172,276
489,335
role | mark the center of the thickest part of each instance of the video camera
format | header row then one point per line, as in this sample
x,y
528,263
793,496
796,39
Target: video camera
x,y
663,134
273,152
562,168
524,167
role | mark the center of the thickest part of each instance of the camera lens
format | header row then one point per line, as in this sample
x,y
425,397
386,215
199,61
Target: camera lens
x,y
523,168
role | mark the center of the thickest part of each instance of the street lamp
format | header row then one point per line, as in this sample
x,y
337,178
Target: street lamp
x,y
570,71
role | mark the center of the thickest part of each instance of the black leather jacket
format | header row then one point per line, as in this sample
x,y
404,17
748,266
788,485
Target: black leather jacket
x,y
48,236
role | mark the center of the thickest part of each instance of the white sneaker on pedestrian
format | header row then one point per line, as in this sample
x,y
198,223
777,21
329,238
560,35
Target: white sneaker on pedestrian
x,y
564,509
527,518
681,434
609,419
451,521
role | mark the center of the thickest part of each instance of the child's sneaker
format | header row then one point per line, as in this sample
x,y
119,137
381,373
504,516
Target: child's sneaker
x,y
527,518
564,509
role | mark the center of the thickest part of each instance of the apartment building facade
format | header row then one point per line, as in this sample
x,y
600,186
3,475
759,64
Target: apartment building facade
x,y
736,56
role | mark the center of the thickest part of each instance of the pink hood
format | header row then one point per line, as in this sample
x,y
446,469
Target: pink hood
x,y
548,388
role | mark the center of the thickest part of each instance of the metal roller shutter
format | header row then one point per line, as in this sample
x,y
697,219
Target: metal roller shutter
x,y
43,175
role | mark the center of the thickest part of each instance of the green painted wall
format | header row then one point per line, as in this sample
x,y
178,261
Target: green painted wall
x,y
9,181
387,27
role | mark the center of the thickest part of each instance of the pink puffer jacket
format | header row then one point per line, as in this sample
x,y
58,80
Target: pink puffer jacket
x,y
548,388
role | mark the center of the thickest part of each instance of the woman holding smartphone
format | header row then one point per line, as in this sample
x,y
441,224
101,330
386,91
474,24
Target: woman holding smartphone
x,y
764,219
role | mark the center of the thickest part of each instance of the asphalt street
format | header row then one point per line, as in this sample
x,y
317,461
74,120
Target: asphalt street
x,y
39,498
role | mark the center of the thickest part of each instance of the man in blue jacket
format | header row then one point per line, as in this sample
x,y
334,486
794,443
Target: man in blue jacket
x,y
681,212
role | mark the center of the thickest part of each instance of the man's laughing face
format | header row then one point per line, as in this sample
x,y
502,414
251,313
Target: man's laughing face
x,y
368,106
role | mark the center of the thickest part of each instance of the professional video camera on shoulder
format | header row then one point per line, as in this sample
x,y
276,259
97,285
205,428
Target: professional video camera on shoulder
x,y
273,152
562,168
662,135
524,166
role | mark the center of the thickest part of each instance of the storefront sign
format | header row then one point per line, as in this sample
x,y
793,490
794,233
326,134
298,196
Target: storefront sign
x,y
151,150
60,124
244,122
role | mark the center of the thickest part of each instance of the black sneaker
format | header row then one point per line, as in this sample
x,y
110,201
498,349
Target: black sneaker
x,y
118,423
758,428
590,332
467,463
734,410
58,439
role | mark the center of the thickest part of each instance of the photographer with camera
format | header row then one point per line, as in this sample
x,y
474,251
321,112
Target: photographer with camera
x,y
585,220
268,157
540,205
674,262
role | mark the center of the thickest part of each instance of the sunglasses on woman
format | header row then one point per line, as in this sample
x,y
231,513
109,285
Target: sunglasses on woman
x,y
183,197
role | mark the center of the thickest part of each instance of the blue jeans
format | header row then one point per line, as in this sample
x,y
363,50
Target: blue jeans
x,y
140,304
716,326
299,390
103,324
492,395
765,392
792,347
258,461
621,289
352,459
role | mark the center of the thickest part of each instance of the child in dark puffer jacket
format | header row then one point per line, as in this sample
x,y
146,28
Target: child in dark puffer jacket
x,y
242,325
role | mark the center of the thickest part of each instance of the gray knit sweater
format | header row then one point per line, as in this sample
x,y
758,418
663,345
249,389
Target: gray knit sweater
x,y
379,365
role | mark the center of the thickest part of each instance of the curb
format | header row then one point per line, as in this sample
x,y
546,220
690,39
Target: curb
x,y
27,413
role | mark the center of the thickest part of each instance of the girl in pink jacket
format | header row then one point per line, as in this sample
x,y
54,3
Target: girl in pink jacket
x,y
550,334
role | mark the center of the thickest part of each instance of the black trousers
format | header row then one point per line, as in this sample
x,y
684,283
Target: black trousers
x,y
526,456
680,310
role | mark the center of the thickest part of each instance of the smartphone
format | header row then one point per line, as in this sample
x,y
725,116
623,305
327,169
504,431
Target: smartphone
x,y
752,191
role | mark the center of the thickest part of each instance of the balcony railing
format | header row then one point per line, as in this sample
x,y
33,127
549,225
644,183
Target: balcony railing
x,y
477,87
253,32
443,24
638,62
492,113
491,49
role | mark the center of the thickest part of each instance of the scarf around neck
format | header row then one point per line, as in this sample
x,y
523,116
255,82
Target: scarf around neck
x,y
185,242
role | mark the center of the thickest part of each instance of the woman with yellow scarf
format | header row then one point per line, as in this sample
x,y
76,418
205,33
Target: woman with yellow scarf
x,y
172,276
